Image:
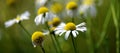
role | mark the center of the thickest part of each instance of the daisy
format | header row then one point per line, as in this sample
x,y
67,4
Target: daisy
x,y
71,8
56,7
43,15
24,16
54,23
70,28
87,6
37,38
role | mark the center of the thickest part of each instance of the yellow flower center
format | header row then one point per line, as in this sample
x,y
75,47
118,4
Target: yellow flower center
x,y
52,28
18,17
37,35
88,2
56,8
49,23
70,26
71,6
56,21
81,13
42,10
10,2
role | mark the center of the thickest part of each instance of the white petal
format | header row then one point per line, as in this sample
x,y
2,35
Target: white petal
x,y
93,11
59,28
70,13
24,18
34,44
61,25
81,24
83,8
49,16
10,23
38,19
17,21
58,32
37,4
62,32
46,33
74,34
40,3
43,20
82,29
25,15
67,35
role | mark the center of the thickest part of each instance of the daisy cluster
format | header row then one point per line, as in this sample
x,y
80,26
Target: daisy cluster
x,y
50,16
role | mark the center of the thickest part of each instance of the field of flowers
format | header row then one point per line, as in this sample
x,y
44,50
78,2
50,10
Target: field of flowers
x,y
59,26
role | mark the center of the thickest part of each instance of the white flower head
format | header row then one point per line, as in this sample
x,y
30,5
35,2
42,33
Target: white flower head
x,y
38,38
70,28
43,16
24,16
54,22
71,8
87,7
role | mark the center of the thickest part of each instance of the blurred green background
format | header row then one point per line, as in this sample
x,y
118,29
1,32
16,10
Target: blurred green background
x,y
15,40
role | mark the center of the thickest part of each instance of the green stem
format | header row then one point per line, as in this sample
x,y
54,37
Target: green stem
x,y
102,36
88,37
107,44
73,43
58,43
73,19
24,29
52,38
116,26
54,43
43,50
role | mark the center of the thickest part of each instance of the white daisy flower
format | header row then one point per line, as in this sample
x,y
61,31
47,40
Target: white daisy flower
x,y
54,22
38,38
70,28
43,16
88,7
24,16
71,8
